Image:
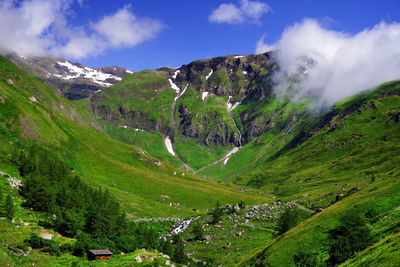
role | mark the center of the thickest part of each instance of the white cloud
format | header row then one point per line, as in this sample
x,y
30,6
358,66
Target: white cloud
x,y
331,65
262,47
123,29
42,27
248,11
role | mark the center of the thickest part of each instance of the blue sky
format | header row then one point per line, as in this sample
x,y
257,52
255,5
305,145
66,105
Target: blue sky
x,y
180,31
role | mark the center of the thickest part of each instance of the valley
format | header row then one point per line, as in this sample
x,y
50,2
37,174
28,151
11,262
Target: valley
x,y
169,145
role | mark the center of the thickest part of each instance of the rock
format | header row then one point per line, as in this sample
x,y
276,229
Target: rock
x,y
308,179
164,198
167,262
10,82
339,197
138,259
354,189
46,236
227,246
250,225
207,238
156,162
32,98
237,208
318,210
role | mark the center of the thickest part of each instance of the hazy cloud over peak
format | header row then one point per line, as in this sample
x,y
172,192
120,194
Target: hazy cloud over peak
x,y
247,11
42,27
332,65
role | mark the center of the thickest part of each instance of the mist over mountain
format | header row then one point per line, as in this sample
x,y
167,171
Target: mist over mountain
x,y
329,65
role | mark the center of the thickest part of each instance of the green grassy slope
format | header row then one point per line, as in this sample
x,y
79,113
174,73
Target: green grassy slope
x,y
353,145
133,176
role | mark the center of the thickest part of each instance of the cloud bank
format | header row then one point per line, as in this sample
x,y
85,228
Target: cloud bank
x,y
330,65
36,27
247,11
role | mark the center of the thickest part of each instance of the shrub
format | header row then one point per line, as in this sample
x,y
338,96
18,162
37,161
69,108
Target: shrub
x,y
287,220
351,236
198,231
216,214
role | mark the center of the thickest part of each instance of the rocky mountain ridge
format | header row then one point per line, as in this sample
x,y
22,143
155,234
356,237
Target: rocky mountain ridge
x,y
72,80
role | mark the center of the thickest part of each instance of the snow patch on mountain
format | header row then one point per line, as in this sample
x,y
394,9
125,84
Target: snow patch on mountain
x,y
229,104
176,74
228,156
204,95
208,76
174,86
168,144
94,75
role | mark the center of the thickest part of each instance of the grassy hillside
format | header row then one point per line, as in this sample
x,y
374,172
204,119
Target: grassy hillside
x,y
132,175
351,146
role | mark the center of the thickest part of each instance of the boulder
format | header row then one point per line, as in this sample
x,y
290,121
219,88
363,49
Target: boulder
x,y
227,246
339,197
354,189
207,238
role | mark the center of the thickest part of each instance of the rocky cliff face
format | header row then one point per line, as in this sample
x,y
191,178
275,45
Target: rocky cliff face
x,y
207,111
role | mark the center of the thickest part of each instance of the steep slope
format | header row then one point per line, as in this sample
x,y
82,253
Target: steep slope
x,y
72,80
346,162
214,111
34,113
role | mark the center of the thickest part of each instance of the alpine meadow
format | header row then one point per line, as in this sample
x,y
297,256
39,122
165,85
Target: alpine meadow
x,y
215,133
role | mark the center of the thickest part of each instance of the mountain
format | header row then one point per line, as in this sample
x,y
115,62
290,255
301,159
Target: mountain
x,y
72,80
33,113
210,109
269,154
344,163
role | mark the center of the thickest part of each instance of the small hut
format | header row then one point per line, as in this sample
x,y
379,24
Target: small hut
x,y
95,254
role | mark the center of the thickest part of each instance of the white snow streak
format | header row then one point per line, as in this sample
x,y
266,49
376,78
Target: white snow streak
x,y
176,74
238,56
204,95
178,96
88,73
208,76
174,86
228,156
128,71
244,72
230,106
168,144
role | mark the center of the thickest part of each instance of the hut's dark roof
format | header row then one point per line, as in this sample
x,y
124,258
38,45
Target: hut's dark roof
x,y
100,252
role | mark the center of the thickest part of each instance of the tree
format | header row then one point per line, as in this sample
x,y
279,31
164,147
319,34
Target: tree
x,y
216,213
198,231
287,220
166,246
9,207
179,250
351,236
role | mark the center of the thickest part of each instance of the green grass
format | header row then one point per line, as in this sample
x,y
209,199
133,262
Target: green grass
x,y
354,149
134,177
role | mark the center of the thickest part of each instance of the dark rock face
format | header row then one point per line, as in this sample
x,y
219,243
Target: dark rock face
x,y
244,79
